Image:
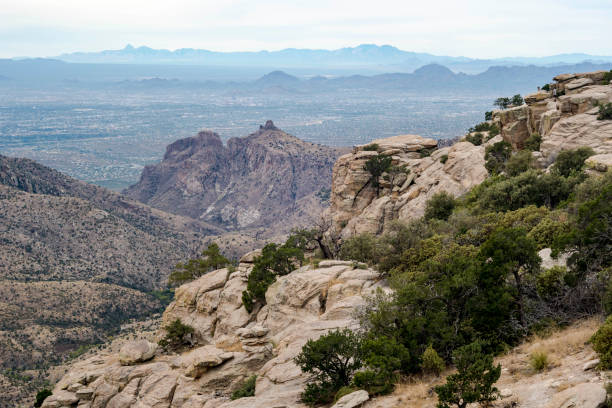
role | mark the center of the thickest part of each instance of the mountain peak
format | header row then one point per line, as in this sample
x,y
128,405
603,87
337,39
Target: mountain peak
x,y
268,126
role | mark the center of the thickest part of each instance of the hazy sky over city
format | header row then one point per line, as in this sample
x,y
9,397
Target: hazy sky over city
x,y
474,28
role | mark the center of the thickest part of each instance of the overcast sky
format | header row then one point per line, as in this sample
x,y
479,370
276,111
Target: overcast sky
x,y
473,28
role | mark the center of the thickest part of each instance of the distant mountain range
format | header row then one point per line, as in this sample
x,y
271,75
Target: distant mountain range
x,y
383,58
431,77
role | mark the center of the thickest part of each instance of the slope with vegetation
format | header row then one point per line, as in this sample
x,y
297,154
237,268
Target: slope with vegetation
x,y
439,265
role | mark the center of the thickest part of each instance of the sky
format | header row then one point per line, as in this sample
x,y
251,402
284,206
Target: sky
x,y
472,28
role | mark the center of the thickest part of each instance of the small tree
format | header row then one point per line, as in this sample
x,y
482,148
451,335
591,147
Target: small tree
x,y
533,142
431,362
274,261
517,100
176,335
194,268
473,381
519,163
41,396
331,360
383,358
376,166
440,206
570,161
488,115
496,156
502,103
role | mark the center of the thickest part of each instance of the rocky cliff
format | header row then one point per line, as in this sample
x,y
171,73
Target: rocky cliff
x,y
266,178
357,206
564,122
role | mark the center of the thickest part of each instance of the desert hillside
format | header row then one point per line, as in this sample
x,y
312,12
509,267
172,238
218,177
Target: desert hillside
x,y
476,272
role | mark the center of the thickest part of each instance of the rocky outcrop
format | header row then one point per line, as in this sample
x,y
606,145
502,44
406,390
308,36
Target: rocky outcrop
x,y
231,344
137,352
356,207
252,181
565,122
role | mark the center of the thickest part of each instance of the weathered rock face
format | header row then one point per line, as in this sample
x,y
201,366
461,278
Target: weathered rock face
x,y
355,206
253,181
565,122
231,344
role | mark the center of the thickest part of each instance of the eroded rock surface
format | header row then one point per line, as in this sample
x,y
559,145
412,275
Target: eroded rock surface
x,y
357,208
231,344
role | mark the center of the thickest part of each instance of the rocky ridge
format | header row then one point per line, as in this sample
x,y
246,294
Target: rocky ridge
x,y
250,182
564,122
230,346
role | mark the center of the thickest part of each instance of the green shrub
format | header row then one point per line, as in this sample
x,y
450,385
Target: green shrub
x,y
432,363
605,112
426,152
607,77
548,231
176,335
194,268
488,115
493,131
533,142
474,380
274,261
372,147
519,163
245,389
517,100
331,360
528,188
570,161
376,166
440,206
602,344
538,361
443,158
383,357
550,282
496,156
41,396
474,138
502,102
546,87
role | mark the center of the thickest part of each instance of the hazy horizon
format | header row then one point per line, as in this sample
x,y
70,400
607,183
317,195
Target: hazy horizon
x,y
475,29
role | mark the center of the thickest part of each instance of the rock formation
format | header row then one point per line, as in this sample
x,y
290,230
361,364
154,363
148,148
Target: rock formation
x,y
565,122
253,181
231,344
357,208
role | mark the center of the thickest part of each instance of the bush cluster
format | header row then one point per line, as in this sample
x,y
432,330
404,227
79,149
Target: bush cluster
x,y
177,335
275,260
194,268
245,389
602,344
605,112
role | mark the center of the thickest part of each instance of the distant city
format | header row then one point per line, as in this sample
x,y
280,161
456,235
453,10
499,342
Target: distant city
x,y
102,122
